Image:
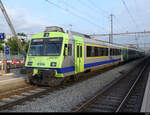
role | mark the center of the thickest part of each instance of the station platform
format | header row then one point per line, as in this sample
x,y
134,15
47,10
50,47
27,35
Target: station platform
x,y
12,80
146,100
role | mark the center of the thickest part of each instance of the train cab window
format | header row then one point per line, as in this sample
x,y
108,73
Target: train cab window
x,y
69,49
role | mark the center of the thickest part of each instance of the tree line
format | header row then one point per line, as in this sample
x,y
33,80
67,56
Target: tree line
x,y
13,44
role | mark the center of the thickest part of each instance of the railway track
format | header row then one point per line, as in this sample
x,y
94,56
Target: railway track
x,y
125,94
19,96
31,92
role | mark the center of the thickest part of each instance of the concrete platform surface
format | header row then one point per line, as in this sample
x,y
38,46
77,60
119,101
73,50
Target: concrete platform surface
x,y
12,81
146,100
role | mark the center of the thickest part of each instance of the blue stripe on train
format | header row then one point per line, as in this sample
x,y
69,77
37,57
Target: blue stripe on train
x,y
100,63
70,69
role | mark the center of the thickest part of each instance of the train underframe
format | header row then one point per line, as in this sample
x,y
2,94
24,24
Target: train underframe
x,y
44,78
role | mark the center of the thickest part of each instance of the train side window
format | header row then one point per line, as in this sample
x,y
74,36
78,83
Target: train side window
x,y
102,50
99,51
77,51
80,51
106,51
89,51
116,52
69,49
110,51
119,51
96,51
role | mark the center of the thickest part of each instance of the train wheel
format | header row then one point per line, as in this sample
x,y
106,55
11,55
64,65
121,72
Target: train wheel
x,y
76,77
31,81
53,82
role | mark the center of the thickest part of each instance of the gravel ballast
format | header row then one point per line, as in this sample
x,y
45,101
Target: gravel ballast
x,y
66,99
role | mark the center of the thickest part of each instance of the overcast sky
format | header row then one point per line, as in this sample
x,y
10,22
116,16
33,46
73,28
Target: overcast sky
x,y
86,16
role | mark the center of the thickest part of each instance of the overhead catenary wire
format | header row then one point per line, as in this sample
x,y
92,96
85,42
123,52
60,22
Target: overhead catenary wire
x,y
71,7
103,11
121,25
73,13
92,8
98,10
126,7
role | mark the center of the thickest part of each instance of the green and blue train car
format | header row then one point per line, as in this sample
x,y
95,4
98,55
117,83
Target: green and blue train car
x,y
55,55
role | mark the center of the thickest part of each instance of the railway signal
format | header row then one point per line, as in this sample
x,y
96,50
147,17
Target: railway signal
x,y
2,36
7,50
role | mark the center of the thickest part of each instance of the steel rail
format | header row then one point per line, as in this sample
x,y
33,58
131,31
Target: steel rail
x,y
131,89
93,99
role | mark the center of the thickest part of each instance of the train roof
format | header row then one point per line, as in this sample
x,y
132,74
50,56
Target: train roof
x,y
87,38
96,40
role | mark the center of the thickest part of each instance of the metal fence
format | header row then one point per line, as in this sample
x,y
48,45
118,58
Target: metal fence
x,y
12,57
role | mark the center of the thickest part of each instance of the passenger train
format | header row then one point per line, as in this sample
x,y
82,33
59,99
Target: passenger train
x,y
55,55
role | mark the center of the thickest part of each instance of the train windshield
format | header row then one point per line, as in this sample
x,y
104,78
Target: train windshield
x,y
53,46
36,47
46,47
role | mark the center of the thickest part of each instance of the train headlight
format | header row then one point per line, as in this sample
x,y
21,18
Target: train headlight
x,y
53,63
29,63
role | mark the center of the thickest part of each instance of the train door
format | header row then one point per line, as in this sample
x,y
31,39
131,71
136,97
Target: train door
x,y
79,56
122,52
125,54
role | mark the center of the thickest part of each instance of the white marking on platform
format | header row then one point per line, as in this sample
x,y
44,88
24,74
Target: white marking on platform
x,y
7,100
2,103
9,80
40,89
146,100
26,94
18,96
34,91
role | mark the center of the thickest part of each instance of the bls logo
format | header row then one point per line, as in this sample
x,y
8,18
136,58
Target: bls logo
x,y
41,64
